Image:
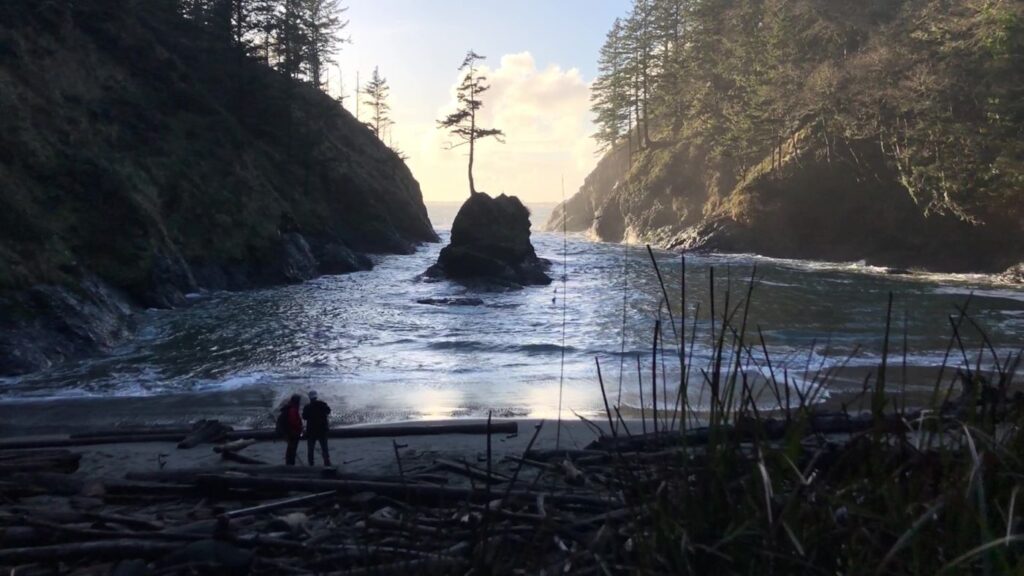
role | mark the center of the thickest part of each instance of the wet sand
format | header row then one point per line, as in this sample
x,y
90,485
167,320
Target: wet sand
x,y
253,407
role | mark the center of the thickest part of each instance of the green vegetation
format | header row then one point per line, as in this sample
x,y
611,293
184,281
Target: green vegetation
x,y
938,86
751,489
149,140
887,131
462,123
376,92
757,478
297,37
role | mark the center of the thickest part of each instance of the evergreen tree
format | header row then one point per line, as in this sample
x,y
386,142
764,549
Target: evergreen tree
x,y
376,92
937,91
462,123
291,37
610,92
323,22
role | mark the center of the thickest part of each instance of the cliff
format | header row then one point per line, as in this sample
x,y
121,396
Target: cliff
x,y
141,161
843,204
886,131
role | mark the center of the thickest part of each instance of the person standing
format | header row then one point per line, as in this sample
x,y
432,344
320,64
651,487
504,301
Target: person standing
x,y
289,424
315,414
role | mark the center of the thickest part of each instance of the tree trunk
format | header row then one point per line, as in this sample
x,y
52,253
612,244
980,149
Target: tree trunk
x,y
472,140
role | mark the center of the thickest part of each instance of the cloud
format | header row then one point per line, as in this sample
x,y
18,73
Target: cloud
x,y
547,123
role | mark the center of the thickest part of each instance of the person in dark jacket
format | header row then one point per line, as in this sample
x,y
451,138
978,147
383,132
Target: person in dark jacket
x,y
315,414
292,421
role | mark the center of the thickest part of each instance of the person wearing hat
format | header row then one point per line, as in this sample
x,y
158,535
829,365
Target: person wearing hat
x,y
315,414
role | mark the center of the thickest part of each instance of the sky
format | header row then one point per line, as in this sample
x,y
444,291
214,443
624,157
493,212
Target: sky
x,y
541,59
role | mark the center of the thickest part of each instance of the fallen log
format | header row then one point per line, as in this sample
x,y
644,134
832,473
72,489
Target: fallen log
x,y
107,549
59,484
189,475
263,435
544,455
37,443
393,431
67,516
147,489
234,446
422,566
204,432
242,459
286,503
361,553
9,455
750,429
65,464
397,490
69,532
469,471
137,431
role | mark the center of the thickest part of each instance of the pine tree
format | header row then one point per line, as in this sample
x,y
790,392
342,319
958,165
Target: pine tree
x,y
610,92
290,37
462,123
376,92
323,22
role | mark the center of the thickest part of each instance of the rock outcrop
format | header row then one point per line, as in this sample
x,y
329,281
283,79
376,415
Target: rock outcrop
x,y
141,161
490,244
841,201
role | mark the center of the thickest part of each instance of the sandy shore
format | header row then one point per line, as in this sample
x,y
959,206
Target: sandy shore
x,y
374,456
253,408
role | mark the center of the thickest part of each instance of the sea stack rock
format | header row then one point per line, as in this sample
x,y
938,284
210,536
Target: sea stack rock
x,y
490,243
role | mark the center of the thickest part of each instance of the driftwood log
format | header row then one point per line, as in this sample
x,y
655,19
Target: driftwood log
x,y
404,491
136,436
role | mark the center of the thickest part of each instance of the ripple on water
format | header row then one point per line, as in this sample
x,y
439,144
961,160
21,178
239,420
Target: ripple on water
x,y
367,346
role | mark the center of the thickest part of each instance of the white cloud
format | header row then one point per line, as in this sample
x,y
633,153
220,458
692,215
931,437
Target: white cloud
x,y
547,124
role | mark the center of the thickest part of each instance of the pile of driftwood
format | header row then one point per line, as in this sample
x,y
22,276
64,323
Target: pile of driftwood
x,y
543,510
539,509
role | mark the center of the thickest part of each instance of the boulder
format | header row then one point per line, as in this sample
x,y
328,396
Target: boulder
x,y
490,243
52,323
338,259
170,279
454,301
297,263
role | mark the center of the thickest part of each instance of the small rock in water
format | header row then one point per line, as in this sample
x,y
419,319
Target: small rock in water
x,y
451,301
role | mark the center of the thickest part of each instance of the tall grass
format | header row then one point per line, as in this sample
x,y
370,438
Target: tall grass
x,y
789,489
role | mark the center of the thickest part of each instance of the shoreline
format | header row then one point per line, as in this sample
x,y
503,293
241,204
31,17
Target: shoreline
x,y
254,406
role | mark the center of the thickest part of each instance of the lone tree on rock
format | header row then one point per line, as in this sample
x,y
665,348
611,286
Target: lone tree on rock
x,y
462,123
376,91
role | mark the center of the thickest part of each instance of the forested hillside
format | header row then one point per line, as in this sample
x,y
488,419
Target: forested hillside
x,y
149,149
886,130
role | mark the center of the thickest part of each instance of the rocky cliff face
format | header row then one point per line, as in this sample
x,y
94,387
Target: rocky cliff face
x,y
139,161
817,199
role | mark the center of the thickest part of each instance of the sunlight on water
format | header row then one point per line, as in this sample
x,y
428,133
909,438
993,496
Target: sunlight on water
x,y
366,345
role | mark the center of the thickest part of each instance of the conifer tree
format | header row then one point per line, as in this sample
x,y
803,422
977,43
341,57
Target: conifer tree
x,y
376,92
290,37
610,93
462,123
323,22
